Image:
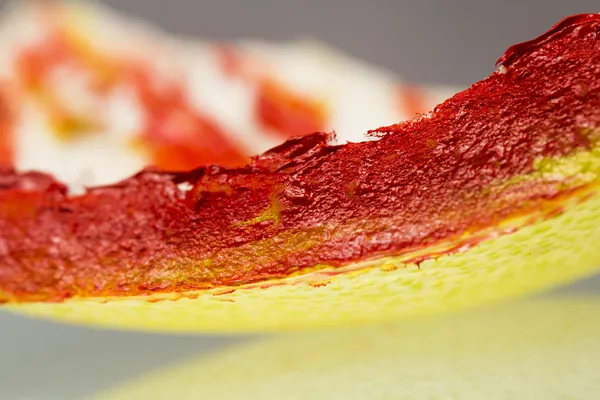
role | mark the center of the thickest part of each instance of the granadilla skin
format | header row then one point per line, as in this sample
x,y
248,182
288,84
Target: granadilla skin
x,y
466,168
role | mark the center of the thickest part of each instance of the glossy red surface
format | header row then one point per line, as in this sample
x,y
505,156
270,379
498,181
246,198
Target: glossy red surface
x,y
579,24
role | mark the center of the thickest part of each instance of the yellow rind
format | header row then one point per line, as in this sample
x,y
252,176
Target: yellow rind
x,y
539,256
537,349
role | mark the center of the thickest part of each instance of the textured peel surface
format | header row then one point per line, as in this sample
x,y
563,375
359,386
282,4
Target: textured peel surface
x,y
539,256
536,349
525,124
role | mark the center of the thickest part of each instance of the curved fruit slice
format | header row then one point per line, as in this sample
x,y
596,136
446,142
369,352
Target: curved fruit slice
x,y
492,195
543,349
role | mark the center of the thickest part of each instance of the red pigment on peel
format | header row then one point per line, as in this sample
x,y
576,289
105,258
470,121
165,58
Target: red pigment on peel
x,y
175,134
286,113
411,100
580,24
305,203
279,109
231,60
7,130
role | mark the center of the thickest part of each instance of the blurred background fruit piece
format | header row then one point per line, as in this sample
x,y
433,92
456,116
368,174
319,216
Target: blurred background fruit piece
x,y
90,81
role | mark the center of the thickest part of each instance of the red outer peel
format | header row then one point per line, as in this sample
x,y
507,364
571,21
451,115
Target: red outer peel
x,y
433,180
580,24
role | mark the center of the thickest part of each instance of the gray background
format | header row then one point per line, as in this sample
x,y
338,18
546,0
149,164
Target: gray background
x,y
453,42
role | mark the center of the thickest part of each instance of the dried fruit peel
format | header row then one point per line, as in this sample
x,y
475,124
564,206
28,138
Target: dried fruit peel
x,y
543,253
544,348
536,257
